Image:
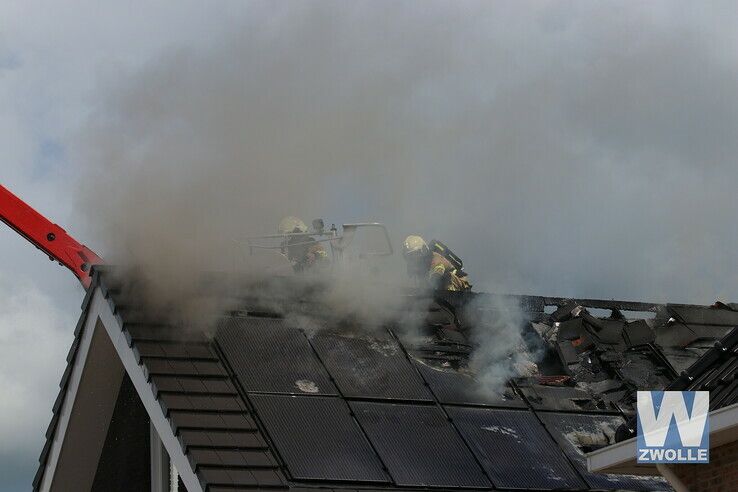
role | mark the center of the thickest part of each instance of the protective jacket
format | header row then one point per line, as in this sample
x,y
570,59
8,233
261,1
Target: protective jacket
x,y
443,275
306,253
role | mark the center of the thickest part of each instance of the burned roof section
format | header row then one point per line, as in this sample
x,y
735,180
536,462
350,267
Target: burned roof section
x,y
265,402
716,371
612,357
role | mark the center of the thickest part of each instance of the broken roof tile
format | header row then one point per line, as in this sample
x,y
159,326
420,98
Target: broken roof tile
x,y
703,315
716,371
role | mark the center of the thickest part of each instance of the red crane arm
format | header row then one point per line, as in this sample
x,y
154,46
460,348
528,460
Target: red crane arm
x,y
47,236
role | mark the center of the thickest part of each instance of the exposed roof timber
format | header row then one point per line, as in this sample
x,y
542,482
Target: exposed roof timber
x,y
603,304
537,303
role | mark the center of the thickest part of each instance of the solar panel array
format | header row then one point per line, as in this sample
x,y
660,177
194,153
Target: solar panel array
x,y
313,435
346,409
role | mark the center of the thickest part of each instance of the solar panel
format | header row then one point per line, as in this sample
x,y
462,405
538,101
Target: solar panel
x,y
456,387
542,397
577,434
269,356
318,439
370,366
503,439
419,446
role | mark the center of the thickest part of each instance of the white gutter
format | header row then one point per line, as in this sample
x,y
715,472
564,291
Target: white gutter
x,y
621,457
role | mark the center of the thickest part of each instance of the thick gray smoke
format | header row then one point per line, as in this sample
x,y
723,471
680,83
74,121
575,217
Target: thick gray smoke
x,y
501,351
572,149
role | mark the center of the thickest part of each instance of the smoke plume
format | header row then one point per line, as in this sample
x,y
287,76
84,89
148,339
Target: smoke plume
x,y
501,351
559,148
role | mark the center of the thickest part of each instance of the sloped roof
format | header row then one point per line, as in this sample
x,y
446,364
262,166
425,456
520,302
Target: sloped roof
x,y
716,371
262,403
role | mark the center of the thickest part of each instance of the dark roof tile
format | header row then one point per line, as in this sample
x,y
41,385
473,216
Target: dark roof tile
x,y
220,420
703,315
233,446
209,368
183,367
216,403
258,459
221,439
218,476
165,383
204,456
267,478
148,349
716,371
174,401
240,476
229,457
72,350
142,332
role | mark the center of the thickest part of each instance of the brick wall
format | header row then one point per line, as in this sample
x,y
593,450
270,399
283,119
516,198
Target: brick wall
x,y
720,475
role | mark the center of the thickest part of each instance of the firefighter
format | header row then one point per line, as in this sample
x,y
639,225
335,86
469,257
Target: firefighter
x,y
303,251
432,268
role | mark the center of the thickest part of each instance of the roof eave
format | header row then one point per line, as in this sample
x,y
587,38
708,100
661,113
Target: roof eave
x,y
620,458
98,308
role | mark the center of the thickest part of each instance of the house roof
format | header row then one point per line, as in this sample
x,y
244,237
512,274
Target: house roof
x,y
621,457
716,372
263,403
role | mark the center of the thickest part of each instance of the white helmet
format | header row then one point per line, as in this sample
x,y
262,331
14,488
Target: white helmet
x,y
414,245
292,224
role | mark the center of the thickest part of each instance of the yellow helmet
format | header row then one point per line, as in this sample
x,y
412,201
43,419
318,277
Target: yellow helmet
x,y
414,245
292,224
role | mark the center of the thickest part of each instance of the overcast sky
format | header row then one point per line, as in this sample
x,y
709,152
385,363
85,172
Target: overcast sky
x,y
560,148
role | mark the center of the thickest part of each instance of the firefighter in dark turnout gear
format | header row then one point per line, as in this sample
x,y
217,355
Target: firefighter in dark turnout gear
x,y
432,268
303,251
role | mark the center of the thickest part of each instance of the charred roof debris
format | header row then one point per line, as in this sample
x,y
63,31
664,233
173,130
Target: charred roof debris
x,y
262,400
716,371
612,357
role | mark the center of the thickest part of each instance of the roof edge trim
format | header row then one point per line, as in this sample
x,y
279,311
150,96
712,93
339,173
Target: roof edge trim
x,y
87,326
621,457
112,325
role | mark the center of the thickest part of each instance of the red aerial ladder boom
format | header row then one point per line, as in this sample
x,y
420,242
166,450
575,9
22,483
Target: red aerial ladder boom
x,y
47,236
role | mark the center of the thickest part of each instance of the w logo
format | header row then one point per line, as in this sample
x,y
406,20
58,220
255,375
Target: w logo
x,y
673,427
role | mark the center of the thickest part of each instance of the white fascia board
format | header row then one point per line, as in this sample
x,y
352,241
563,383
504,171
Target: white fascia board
x,y
621,457
65,411
724,426
101,308
611,456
